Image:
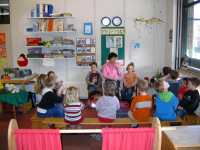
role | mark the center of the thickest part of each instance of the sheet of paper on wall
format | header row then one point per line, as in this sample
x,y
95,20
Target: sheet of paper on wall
x,y
47,62
114,50
87,40
134,49
22,42
92,49
1,66
3,60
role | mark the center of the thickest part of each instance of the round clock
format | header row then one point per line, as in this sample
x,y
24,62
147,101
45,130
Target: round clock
x,y
105,21
117,21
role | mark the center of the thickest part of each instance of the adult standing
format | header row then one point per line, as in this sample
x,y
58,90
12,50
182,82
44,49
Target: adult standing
x,y
112,70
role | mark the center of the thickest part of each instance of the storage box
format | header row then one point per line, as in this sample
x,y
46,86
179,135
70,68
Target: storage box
x,y
34,50
33,40
9,107
124,108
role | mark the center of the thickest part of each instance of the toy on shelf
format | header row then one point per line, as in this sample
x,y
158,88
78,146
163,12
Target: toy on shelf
x,y
1,87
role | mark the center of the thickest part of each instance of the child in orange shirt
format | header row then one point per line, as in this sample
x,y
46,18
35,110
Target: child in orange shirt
x,y
183,88
141,104
130,80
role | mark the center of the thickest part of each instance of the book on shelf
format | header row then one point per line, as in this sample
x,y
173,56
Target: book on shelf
x,y
41,10
44,10
60,14
60,26
37,10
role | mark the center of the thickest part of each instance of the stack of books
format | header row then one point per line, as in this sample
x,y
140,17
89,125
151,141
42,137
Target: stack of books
x,y
67,42
61,14
57,41
68,53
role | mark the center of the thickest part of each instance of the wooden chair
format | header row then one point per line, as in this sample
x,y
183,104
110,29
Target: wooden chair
x,y
155,123
191,119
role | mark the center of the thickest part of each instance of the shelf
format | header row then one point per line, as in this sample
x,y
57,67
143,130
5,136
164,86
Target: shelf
x,y
49,17
52,32
51,46
52,58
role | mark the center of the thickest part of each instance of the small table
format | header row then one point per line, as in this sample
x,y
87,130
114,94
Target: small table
x,y
22,82
13,98
184,137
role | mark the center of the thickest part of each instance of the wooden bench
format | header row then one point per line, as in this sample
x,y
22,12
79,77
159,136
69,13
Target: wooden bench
x,y
59,122
191,119
37,122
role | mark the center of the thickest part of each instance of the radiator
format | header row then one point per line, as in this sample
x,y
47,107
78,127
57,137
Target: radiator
x,y
81,85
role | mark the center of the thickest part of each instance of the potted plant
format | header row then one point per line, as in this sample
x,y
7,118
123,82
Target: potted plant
x,y
157,75
8,69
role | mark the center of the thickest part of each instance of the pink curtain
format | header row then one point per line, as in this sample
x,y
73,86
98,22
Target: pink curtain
x,y
45,139
128,139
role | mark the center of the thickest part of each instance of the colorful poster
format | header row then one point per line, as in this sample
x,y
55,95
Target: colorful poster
x,y
3,53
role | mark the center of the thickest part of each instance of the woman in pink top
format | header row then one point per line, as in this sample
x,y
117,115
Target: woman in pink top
x,y
112,69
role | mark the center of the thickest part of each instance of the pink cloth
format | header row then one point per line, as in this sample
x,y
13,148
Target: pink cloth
x,y
35,139
111,71
128,139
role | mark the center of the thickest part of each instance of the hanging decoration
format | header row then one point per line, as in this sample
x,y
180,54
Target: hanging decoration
x,y
148,22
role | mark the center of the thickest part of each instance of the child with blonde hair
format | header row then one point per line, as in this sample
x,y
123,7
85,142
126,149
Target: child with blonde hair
x,y
141,104
166,101
130,80
73,107
107,105
49,107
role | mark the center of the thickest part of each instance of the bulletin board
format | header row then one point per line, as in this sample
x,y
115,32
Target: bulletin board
x,y
86,51
117,36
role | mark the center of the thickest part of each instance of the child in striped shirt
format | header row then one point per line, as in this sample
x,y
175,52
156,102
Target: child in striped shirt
x,y
73,107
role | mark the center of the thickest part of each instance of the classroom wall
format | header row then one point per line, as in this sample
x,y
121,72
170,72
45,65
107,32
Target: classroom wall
x,y
5,28
150,56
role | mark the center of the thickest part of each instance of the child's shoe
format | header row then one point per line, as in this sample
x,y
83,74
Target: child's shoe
x,y
134,125
98,136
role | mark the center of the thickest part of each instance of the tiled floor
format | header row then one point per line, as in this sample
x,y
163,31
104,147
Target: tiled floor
x,y
72,141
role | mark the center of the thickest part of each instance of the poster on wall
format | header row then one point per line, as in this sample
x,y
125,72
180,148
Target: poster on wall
x,y
3,53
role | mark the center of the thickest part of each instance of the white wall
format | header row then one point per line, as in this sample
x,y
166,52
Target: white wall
x,y
152,41
169,54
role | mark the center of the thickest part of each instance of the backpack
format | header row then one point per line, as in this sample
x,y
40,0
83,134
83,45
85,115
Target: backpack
x,y
32,96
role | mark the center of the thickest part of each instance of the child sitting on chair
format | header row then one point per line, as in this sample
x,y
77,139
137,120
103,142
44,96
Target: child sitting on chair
x,y
166,102
49,107
190,100
141,104
58,84
129,82
94,79
73,107
107,105
183,88
166,73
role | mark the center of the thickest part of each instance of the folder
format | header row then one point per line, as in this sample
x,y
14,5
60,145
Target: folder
x,y
50,10
46,14
37,10
41,10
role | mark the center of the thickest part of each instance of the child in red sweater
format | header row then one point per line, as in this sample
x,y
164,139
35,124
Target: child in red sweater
x,y
141,104
183,89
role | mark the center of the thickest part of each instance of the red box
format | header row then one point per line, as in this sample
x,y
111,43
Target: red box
x,y
33,40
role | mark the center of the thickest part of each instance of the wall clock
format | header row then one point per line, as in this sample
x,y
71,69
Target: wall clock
x,y
117,21
105,21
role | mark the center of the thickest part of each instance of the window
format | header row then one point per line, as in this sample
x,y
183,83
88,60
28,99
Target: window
x,y
4,12
191,32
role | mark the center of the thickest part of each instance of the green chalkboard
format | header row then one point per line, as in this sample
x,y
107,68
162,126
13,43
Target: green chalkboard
x,y
105,51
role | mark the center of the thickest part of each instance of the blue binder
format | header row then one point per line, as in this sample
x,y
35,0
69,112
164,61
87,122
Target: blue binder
x,y
37,10
50,11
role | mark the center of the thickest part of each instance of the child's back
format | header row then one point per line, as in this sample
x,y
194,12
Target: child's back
x,y
174,84
141,106
166,102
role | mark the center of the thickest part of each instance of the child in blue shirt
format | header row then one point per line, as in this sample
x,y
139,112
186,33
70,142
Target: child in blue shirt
x,y
166,102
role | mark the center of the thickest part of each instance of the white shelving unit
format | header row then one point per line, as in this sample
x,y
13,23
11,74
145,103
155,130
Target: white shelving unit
x,y
59,47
